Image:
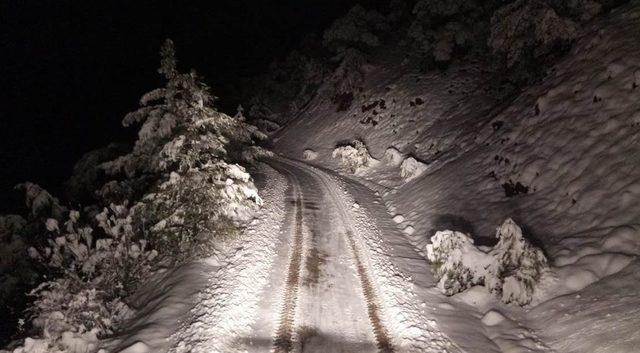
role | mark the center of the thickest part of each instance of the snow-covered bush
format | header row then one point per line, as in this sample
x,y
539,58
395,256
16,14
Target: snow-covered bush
x,y
359,29
528,29
441,28
520,264
63,306
86,177
458,264
510,269
354,156
348,77
349,38
392,156
109,257
98,266
309,154
17,275
411,168
40,202
288,86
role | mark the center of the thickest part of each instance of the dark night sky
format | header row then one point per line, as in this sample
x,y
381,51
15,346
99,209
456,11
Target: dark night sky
x,y
71,70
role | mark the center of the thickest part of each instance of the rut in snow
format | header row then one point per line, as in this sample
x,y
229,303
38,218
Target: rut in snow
x,y
283,341
382,337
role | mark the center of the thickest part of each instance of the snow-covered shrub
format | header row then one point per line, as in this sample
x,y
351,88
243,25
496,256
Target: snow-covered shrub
x,y
357,29
458,264
288,86
392,156
97,268
109,257
520,263
347,78
441,28
527,29
309,154
66,306
411,168
17,275
87,174
354,156
40,201
510,269
349,38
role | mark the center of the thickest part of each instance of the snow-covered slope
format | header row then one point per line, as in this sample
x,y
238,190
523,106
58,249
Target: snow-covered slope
x,y
561,158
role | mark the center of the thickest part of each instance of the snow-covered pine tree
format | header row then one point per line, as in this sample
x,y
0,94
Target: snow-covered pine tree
x,y
350,38
185,154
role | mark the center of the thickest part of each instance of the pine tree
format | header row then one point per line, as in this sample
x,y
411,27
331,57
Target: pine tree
x,y
184,155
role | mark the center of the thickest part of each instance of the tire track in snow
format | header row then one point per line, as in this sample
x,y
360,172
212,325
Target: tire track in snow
x,y
379,330
283,341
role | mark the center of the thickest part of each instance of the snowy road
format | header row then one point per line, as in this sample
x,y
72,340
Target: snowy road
x,y
327,302
315,272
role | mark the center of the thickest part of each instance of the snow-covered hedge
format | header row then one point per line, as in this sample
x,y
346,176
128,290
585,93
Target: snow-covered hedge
x,y
354,156
510,269
458,264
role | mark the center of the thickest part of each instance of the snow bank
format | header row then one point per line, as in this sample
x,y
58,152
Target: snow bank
x,y
229,301
591,261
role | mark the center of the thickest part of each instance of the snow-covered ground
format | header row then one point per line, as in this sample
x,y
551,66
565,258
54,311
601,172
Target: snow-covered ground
x,y
560,158
336,260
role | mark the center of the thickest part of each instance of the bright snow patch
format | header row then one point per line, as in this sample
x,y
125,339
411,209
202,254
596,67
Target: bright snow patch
x,y
355,157
492,318
392,156
409,230
411,168
309,154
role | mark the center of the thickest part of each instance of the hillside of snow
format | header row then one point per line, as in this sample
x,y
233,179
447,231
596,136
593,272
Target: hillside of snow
x,y
561,158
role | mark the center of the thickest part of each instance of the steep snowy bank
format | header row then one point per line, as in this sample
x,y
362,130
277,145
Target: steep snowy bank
x,y
561,158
